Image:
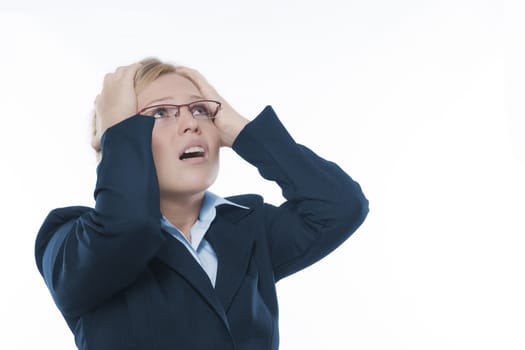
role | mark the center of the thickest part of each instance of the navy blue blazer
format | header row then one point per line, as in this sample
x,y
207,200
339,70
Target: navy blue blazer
x,y
121,282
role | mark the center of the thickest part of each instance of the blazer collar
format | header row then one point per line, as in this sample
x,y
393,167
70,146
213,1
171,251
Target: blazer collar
x,y
176,256
231,236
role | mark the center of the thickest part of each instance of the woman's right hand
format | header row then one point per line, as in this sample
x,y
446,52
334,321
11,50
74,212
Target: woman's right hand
x,y
117,100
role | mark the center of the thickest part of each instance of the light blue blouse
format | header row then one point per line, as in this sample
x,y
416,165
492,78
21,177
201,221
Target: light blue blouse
x,y
199,248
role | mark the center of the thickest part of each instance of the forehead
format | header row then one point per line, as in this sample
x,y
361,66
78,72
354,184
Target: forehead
x,y
172,87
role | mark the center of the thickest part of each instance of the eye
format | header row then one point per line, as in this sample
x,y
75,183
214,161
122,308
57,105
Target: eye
x,y
160,112
200,109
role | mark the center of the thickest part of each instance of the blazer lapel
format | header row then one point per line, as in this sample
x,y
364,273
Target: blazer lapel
x,y
231,236
176,256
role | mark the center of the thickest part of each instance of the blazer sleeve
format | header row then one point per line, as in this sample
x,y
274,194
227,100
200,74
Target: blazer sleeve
x,y
323,207
86,255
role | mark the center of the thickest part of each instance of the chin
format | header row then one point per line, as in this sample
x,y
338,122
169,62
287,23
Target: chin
x,y
183,181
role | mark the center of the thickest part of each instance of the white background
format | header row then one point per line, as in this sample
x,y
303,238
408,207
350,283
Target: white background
x,y
410,97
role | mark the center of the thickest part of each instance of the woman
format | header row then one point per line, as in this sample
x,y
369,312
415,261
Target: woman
x,y
160,263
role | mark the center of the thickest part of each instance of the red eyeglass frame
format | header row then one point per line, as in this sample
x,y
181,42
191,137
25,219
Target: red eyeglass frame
x,y
185,105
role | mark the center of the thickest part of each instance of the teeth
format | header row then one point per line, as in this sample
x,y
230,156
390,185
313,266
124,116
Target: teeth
x,y
194,149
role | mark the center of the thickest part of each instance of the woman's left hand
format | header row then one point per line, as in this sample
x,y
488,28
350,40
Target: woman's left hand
x,y
228,121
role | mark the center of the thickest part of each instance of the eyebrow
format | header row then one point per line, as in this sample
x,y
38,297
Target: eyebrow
x,y
171,97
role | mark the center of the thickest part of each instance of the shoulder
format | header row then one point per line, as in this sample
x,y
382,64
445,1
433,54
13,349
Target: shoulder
x,y
54,220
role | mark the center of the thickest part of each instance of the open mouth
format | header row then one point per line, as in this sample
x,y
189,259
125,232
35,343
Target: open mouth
x,y
192,152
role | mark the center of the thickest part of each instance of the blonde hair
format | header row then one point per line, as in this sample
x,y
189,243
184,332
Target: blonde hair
x,y
152,68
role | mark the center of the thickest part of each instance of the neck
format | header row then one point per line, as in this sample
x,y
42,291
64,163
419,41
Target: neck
x,y
182,210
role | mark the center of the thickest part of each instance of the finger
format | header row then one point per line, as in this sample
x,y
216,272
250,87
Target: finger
x,y
126,71
132,69
193,74
198,78
130,73
108,77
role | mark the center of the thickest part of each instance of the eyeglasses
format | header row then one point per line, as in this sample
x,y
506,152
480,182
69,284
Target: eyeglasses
x,y
202,109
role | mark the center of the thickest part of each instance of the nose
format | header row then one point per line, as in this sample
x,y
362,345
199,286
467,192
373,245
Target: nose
x,y
186,122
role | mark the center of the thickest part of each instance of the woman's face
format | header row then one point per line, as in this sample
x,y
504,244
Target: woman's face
x,y
180,176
